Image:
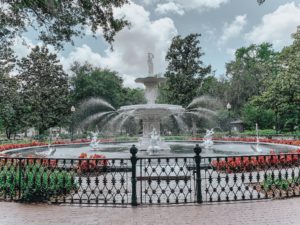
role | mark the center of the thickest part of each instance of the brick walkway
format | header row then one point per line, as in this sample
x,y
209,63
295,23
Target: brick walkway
x,y
274,212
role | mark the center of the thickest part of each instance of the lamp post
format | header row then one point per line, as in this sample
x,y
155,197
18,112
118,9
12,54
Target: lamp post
x,y
72,122
228,106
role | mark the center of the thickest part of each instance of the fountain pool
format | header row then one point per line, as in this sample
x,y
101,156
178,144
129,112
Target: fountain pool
x,y
178,148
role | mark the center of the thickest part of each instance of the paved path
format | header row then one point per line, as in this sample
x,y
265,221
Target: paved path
x,y
274,212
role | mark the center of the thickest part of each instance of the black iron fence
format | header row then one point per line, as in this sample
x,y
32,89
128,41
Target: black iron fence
x,y
150,180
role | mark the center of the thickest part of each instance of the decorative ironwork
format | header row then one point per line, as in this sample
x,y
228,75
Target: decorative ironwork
x,y
250,177
82,181
150,180
166,180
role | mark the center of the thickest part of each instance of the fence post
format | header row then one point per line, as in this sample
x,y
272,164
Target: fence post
x,y
20,179
133,159
197,151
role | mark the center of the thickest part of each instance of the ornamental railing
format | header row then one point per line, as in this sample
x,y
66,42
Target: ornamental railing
x,y
150,180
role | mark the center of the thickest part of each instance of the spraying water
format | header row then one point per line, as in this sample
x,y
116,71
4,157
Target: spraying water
x,y
96,111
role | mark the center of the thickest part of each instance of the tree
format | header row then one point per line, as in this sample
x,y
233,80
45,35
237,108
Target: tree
x,y
91,82
60,20
132,96
10,102
96,82
185,71
251,115
283,90
44,87
215,87
248,71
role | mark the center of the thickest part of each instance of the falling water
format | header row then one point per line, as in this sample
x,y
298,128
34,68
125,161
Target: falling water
x,y
96,117
181,124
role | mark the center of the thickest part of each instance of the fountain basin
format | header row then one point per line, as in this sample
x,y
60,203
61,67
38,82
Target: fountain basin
x,y
178,148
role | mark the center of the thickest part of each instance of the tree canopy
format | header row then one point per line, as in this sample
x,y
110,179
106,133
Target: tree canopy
x,y
248,71
45,90
185,71
91,81
283,91
58,21
10,100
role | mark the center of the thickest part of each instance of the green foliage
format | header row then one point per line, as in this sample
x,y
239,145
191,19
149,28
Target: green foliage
x,y
10,100
102,83
251,115
215,87
265,132
38,183
133,96
283,91
58,21
281,184
248,71
224,119
185,71
45,91
95,82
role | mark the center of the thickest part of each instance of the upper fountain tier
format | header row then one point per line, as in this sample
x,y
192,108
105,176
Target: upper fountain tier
x,y
151,84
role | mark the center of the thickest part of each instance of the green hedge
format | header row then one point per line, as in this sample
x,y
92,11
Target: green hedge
x,y
38,183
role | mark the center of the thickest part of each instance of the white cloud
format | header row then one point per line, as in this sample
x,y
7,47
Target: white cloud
x,y
233,29
181,6
276,27
169,7
231,53
131,46
22,46
81,54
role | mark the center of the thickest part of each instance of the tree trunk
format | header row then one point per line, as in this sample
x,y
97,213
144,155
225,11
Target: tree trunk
x,y
8,134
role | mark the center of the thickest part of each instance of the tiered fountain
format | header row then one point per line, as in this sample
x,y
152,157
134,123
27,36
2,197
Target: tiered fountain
x,y
151,113
97,111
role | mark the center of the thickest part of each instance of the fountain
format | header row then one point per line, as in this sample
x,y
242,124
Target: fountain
x,y
207,140
257,148
151,114
94,142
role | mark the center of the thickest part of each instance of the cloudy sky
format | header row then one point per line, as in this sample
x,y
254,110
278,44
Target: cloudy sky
x,y
225,25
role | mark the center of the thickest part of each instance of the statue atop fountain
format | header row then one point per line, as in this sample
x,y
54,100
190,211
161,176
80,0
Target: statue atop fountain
x,y
150,63
151,82
207,140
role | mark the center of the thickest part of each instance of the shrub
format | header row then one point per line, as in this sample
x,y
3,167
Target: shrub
x,y
40,179
281,184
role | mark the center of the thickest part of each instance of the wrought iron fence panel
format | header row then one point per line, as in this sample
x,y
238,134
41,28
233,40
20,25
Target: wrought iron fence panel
x,y
102,181
250,177
166,180
82,181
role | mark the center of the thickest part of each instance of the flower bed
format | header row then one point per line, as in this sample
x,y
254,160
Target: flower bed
x,y
93,163
250,163
35,143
